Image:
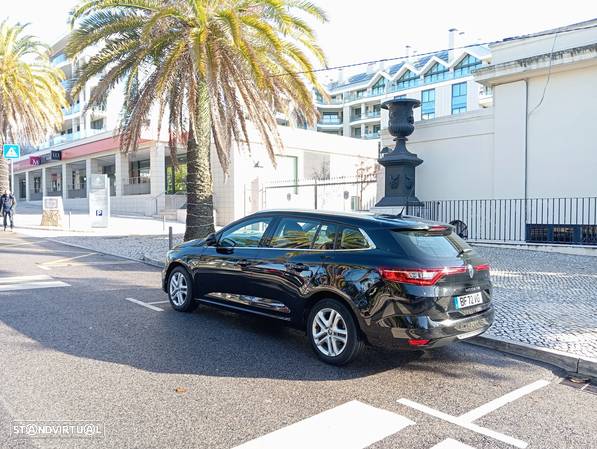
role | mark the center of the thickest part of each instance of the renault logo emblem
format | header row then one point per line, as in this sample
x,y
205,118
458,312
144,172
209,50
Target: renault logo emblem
x,y
471,270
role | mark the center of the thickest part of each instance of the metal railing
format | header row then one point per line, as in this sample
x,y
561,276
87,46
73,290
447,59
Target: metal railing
x,y
365,115
534,220
326,120
137,186
371,135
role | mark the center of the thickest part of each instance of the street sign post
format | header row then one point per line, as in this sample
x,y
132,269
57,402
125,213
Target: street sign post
x,y
10,152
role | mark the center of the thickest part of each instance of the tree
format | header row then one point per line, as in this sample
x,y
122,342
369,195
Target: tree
x,y
210,66
31,96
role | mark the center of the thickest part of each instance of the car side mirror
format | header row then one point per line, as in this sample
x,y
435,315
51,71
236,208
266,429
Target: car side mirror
x,y
211,240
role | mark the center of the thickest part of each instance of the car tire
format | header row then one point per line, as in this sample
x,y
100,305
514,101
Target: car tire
x,y
180,290
333,332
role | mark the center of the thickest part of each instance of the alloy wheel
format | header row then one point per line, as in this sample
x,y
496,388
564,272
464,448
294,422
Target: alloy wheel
x,y
178,289
329,332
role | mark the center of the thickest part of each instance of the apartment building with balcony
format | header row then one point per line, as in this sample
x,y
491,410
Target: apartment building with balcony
x,y
442,81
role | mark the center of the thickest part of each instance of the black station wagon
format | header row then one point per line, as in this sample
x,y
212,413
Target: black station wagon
x,y
347,279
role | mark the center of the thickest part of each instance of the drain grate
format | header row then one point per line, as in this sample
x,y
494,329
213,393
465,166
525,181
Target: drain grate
x,y
581,383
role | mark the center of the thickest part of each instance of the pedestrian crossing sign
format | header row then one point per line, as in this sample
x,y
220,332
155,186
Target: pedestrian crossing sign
x,y
11,151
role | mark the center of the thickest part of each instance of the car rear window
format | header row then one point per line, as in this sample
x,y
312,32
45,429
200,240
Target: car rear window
x,y
426,244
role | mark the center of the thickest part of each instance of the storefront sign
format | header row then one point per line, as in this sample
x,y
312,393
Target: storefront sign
x,y
34,160
99,201
56,155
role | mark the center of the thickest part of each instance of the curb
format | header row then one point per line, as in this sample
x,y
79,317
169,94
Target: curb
x,y
145,260
154,262
52,228
581,366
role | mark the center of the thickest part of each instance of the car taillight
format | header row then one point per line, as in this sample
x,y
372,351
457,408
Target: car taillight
x,y
417,342
482,267
419,276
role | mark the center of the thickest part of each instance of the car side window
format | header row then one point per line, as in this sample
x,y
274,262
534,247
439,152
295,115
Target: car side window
x,y
294,233
352,238
246,234
326,237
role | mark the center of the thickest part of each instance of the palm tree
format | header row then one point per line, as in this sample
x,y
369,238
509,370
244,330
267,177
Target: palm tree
x,y
31,95
210,66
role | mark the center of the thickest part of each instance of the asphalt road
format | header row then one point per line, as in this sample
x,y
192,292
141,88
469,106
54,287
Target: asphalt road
x,y
73,348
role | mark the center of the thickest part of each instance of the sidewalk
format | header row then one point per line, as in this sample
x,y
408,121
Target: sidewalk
x,y
545,300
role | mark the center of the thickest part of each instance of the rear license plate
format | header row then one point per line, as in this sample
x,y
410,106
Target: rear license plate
x,y
460,302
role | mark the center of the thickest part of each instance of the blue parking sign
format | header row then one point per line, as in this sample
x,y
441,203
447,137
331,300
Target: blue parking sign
x,y
11,151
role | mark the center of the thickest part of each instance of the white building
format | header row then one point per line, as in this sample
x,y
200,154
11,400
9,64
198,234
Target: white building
x,y
536,143
145,182
441,81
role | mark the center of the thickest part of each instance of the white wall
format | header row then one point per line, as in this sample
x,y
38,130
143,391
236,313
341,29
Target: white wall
x,y
562,150
510,140
458,156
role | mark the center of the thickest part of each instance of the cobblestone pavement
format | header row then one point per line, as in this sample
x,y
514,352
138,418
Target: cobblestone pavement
x,y
543,299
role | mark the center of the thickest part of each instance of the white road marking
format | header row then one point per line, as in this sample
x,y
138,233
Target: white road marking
x,y
16,279
43,267
352,425
14,283
49,266
144,304
483,410
466,420
451,444
67,259
158,302
467,425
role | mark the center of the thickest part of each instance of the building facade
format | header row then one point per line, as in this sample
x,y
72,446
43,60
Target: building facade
x,y
534,151
148,181
442,81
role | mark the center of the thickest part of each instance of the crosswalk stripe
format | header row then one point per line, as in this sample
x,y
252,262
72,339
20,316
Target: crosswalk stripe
x,y
352,425
15,283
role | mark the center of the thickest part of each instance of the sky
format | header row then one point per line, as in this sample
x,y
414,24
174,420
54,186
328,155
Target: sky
x,y
364,30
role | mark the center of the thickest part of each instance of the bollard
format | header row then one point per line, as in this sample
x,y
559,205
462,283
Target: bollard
x,y
163,223
170,237
69,214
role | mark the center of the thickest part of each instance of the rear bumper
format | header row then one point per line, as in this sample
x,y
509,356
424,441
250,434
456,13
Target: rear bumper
x,y
400,329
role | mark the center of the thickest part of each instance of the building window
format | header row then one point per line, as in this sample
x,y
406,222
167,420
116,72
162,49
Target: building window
x,y
428,104
466,66
379,87
458,98
356,132
438,72
361,93
330,118
409,79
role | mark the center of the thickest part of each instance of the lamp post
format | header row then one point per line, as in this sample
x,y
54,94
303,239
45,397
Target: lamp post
x,y
400,163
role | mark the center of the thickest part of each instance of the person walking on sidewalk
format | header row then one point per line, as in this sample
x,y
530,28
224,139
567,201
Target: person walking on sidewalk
x,y
7,207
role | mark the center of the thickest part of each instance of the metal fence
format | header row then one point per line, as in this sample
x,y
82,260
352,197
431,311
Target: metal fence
x,y
356,193
532,220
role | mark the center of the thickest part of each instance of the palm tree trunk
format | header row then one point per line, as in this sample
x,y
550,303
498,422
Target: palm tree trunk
x,y
200,207
4,175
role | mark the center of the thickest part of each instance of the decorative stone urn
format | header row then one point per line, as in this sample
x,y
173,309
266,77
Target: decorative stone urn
x,y
400,163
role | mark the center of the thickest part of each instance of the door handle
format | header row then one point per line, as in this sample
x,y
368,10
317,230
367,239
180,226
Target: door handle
x,y
243,263
298,267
